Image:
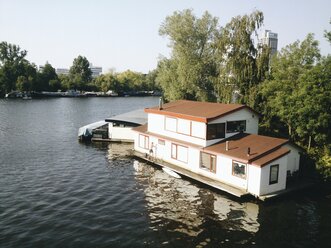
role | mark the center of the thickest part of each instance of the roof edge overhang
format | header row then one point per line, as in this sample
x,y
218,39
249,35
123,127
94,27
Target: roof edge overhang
x,y
197,118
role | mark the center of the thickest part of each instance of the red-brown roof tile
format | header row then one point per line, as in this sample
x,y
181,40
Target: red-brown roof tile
x,y
197,111
261,147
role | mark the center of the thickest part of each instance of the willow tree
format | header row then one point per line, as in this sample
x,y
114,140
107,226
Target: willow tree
x,y
189,72
243,64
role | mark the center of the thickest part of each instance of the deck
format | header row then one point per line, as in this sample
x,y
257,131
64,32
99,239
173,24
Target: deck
x,y
202,179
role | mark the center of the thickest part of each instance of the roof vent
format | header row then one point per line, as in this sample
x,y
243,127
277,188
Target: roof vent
x,y
160,103
226,145
248,151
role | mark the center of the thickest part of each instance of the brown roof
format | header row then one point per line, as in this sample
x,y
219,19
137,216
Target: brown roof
x,y
197,111
263,149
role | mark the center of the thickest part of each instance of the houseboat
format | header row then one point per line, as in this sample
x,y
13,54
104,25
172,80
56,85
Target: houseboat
x,y
217,144
117,128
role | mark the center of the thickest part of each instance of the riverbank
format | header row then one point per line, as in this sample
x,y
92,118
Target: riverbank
x,y
74,93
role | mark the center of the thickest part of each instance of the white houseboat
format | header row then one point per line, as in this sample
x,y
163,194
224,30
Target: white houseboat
x,y
117,128
217,144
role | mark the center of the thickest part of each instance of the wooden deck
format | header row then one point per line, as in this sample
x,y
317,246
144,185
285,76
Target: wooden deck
x,y
203,179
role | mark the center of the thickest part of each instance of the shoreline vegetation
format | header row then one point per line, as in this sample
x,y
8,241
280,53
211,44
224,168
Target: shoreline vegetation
x,y
73,93
208,62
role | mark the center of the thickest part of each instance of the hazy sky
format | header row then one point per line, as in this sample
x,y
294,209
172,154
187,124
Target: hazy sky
x,y
123,34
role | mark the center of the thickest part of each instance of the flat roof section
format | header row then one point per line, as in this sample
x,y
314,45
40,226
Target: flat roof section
x,y
138,117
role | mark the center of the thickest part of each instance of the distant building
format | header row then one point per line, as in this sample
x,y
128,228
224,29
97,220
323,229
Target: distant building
x,y
96,70
62,71
41,67
270,39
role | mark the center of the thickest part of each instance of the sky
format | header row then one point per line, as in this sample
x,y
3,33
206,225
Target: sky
x,y
124,34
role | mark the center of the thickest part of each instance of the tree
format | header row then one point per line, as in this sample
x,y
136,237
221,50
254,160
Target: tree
x,y
47,79
189,73
288,96
327,34
107,82
80,73
12,65
243,65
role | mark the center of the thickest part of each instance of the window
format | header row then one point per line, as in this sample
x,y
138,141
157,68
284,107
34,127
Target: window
x,y
235,126
143,141
239,169
171,124
215,131
179,152
274,170
208,162
161,142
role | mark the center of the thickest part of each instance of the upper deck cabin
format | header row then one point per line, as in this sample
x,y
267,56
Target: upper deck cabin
x,y
201,123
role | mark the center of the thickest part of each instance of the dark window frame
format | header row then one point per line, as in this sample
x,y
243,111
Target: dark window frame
x,y
238,128
215,131
271,180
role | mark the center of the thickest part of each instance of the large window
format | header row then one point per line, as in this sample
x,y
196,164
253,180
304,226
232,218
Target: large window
x,y
215,131
239,169
235,126
274,170
143,141
208,162
179,152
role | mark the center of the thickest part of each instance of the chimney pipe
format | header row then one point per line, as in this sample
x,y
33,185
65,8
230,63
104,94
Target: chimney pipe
x,y
248,151
160,103
226,145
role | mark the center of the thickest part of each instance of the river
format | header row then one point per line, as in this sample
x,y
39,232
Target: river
x,y
57,192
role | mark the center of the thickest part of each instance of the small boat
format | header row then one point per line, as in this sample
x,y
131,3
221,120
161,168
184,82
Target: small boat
x,y
171,172
26,97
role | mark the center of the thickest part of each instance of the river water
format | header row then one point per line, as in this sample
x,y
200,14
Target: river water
x,y
57,192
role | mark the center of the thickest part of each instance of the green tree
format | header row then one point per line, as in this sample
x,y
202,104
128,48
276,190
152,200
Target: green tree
x,y
131,81
47,79
12,65
287,94
327,34
243,65
189,73
80,73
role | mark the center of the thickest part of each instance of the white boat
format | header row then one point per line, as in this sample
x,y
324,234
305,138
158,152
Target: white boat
x,y
171,172
114,129
25,97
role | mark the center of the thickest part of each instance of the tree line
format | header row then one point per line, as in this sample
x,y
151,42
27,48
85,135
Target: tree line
x,y
17,73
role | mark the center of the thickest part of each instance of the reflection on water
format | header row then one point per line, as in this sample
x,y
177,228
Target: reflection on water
x,y
188,205
57,192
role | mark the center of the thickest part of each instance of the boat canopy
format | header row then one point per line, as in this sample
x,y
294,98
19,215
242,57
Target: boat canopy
x,y
138,117
87,130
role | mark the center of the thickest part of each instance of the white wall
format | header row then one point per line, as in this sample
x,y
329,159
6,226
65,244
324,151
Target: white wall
x,y
121,133
254,180
265,188
224,172
156,124
293,159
